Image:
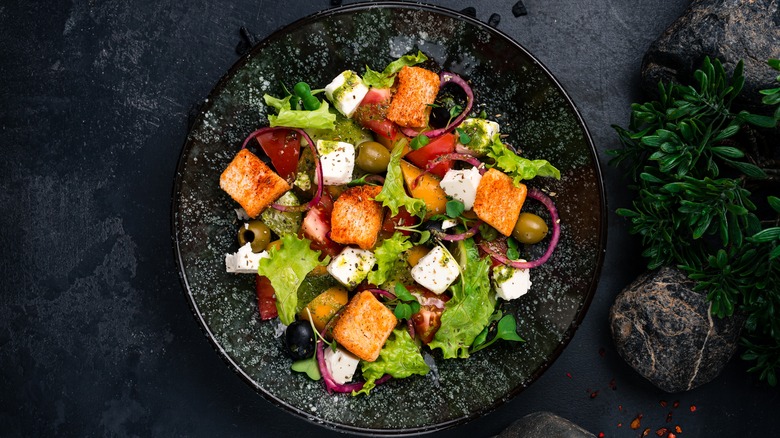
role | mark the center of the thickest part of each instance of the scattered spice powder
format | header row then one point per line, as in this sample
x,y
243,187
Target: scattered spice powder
x,y
613,385
676,404
601,434
620,408
594,394
669,417
693,408
662,431
646,432
636,422
663,403
671,435
620,424
678,429
568,375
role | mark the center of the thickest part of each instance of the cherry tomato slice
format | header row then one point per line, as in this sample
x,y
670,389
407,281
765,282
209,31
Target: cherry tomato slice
x,y
266,298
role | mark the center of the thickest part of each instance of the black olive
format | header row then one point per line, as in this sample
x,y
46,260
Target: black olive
x,y
299,340
439,117
435,227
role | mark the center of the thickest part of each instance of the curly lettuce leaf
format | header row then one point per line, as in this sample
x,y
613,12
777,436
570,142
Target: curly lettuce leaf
x,y
393,195
385,78
320,118
469,310
400,357
517,167
287,267
387,254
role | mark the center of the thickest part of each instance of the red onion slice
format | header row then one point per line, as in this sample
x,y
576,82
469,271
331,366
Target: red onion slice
x,y
462,236
538,195
317,168
444,78
382,292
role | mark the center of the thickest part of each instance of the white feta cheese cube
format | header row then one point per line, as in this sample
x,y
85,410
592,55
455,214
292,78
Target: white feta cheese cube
x,y
244,261
462,185
341,364
346,91
481,133
436,271
511,283
337,159
351,266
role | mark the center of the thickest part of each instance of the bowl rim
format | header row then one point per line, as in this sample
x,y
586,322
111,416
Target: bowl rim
x,y
175,230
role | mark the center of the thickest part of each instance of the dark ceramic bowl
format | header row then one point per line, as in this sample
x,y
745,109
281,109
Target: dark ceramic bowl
x,y
511,86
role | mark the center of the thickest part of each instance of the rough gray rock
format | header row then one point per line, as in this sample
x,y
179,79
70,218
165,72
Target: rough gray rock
x,y
664,330
730,30
544,425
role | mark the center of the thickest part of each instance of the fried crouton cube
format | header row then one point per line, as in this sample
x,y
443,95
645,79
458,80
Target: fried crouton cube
x,y
363,326
499,200
411,104
251,183
357,217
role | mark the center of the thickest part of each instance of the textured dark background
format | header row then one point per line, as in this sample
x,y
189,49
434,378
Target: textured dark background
x,y
96,336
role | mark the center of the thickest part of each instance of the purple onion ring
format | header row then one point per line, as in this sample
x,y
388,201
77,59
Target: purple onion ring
x,y
444,78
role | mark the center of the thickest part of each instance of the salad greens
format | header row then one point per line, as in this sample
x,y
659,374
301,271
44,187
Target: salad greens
x,y
386,77
387,255
400,358
393,194
320,118
470,308
287,267
517,167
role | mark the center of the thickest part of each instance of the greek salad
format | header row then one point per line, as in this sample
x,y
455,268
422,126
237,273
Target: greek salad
x,y
382,218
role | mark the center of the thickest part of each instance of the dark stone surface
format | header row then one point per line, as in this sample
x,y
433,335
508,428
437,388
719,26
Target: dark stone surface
x,y
730,30
544,425
96,335
664,330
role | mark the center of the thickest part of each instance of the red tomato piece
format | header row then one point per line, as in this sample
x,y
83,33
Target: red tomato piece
x,y
283,147
372,112
402,219
316,227
442,145
427,320
266,298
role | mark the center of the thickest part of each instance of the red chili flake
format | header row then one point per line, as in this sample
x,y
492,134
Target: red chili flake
x,y
594,394
676,404
678,429
568,375
620,408
620,424
671,435
693,408
601,434
613,385
669,417
602,351
646,432
636,422
663,403
662,431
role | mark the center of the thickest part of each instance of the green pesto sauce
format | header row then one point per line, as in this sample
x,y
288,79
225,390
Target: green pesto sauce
x,y
501,273
351,80
345,130
477,130
283,222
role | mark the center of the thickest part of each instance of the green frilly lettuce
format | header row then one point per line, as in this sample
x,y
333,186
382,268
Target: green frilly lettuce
x,y
320,118
469,310
517,167
400,358
393,194
287,267
387,255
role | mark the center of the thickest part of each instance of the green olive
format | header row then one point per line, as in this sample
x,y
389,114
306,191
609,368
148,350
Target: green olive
x,y
529,228
256,233
372,157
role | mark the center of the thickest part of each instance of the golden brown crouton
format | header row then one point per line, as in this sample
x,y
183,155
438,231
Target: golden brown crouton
x,y
357,218
363,326
417,90
251,183
498,201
